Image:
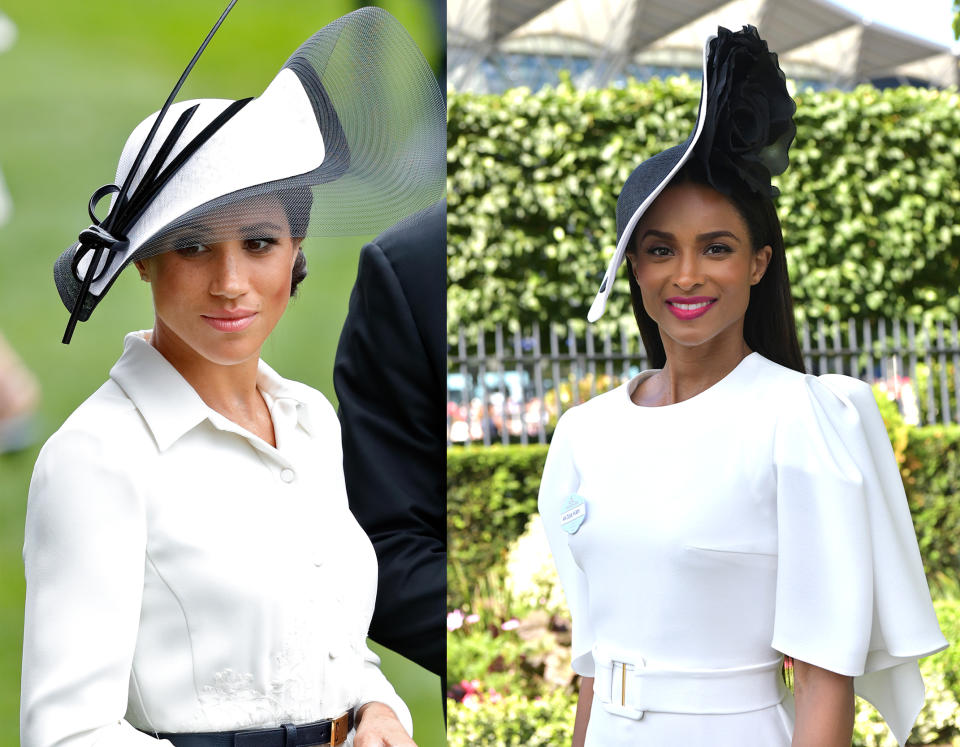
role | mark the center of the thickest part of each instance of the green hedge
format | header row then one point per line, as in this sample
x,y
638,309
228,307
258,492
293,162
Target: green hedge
x,y
870,204
513,721
931,475
491,492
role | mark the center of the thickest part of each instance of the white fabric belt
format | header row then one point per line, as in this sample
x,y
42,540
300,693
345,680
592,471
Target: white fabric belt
x,y
625,686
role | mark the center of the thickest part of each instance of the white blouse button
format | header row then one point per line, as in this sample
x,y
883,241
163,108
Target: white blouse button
x,y
287,474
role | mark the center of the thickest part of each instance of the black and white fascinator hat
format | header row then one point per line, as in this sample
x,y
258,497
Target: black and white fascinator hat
x,y
349,138
743,132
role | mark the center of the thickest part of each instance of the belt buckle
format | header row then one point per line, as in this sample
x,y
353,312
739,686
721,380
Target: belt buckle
x,y
339,728
618,706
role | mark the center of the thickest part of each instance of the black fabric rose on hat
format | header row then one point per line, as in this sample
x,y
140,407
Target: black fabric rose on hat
x,y
749,125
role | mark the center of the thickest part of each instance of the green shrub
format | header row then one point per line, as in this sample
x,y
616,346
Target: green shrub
x,y
948,660
897,430
931,475
501,660
870,204
512,721
491,494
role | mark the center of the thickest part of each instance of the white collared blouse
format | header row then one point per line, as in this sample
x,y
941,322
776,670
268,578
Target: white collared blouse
x,y
184,575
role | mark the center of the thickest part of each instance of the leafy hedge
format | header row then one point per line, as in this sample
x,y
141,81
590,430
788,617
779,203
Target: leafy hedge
x,y
870,204
931,475
513,721
492,492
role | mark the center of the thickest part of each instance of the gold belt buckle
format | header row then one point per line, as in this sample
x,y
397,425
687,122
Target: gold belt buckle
x,y
622,669
623,686
339,728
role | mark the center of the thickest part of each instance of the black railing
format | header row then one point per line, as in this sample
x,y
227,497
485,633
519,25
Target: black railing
x,y
505,387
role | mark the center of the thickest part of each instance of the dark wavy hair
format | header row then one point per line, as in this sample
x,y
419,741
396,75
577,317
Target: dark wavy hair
x,y
297,202
769,327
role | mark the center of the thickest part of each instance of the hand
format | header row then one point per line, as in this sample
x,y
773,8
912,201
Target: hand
x,y
378,726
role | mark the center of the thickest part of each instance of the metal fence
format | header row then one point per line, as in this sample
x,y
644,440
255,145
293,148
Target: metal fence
x,y
510,387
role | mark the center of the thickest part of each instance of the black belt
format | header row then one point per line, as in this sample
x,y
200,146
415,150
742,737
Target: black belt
x,y
332,731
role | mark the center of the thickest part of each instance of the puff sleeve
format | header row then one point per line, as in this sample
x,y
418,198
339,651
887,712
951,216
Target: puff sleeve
x,y
851,593
560,479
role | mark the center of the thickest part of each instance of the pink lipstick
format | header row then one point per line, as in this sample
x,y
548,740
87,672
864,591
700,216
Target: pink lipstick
x,y
230,321
685,308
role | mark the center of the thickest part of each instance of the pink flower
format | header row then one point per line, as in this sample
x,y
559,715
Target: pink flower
x,y
470,687
472,618
454,620
511,624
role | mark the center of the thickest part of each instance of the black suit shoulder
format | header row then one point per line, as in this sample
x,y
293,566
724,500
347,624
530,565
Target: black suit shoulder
x,y
415,250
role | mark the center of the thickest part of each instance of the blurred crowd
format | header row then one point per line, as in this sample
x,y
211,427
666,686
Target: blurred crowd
x,y
498,416
487,423
19,398
8,35
19,391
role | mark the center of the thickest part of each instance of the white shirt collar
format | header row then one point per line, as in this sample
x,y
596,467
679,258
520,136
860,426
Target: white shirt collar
x,y
154,385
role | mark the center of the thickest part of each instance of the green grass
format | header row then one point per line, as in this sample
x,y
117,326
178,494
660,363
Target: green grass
x,y
79,77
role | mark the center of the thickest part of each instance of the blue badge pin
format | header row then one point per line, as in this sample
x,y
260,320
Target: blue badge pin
x,y
573,514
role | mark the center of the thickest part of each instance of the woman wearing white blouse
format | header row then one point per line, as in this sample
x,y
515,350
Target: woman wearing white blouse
x,y
194,574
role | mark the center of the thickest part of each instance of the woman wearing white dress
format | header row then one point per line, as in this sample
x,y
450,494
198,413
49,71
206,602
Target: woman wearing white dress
x,y
194,575
725,509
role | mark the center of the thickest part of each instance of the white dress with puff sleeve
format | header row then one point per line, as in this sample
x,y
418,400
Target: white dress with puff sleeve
x,y
764,516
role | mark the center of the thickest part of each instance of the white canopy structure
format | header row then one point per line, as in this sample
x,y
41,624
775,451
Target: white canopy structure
x,y
498,44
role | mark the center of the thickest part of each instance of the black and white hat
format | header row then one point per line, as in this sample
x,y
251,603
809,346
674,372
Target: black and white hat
x,y
743,132
350,136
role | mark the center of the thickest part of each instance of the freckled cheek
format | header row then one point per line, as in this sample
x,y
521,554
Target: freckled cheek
x,y
279,293
173,291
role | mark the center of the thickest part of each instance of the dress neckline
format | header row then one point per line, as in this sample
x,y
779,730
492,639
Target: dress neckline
x,y
711,390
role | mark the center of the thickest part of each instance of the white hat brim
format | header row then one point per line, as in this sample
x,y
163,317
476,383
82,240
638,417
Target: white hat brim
x,y
600,301
226,163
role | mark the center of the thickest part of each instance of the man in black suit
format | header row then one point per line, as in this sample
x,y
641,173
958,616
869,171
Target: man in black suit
x,y
389,376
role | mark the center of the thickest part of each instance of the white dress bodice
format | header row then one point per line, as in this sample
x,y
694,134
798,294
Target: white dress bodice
x,y
764,516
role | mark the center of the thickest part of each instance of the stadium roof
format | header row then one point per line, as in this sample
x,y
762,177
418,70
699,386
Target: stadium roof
x,y
496,44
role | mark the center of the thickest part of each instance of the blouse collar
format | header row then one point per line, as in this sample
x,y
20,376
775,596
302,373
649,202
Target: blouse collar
x,y
171,407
